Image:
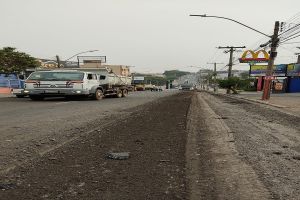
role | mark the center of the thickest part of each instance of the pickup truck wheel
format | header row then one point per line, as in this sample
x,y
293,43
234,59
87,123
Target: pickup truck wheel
x,y
124,93
36,98
20,96
98,94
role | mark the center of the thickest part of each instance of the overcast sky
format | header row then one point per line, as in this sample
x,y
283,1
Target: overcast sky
x,y
151,35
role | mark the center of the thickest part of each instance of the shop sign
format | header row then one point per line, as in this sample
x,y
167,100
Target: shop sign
x,y
269,77
260,70
293,70
278,86
138,78
255,57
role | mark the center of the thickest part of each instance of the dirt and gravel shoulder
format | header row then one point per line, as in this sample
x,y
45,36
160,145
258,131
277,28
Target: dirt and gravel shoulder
x,y
267,139
214,168
155,136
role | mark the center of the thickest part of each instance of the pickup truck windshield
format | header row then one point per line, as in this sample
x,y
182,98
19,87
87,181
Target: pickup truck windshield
x,y
57,76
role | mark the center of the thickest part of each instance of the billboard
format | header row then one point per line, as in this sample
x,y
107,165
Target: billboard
x,y
260,70
138,78
293,70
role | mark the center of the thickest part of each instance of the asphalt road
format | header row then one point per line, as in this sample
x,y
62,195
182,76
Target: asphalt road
x,y
29,129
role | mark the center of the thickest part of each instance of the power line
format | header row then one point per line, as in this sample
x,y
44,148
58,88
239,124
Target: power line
x,y
290,38
282,33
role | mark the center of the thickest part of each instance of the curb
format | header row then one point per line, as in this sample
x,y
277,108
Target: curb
x,y
262,102
247,99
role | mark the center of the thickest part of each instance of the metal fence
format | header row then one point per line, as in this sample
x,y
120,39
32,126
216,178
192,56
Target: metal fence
x,y
14,83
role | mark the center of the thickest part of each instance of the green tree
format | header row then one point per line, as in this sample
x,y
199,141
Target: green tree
x,y
12,61
231,84
155,80
174,74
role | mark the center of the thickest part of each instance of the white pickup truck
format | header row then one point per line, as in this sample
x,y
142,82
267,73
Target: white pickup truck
x,y
68,83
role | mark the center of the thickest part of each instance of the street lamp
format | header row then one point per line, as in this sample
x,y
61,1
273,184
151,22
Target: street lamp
x,y
81,53
274,42
226,18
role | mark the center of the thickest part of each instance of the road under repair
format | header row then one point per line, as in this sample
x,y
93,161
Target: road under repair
x,y
189,145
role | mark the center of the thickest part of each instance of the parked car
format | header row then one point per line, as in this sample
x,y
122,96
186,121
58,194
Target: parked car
x,y
157,88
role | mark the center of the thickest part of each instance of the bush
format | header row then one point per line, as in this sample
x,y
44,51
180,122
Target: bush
x,y
235,83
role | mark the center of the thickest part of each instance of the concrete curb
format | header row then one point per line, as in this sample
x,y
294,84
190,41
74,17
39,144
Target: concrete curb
x,y
263,102
247,99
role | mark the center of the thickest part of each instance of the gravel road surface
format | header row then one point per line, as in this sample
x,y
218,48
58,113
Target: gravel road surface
x,y
266,139
155,139
29,129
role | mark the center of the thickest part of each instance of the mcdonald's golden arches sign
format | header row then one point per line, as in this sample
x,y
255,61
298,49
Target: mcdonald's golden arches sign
x,y
260,56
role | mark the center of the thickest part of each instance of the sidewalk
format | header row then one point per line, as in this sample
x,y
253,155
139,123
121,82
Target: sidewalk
x,y
286,101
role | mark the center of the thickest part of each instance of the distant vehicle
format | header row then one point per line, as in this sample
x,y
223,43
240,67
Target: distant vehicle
x,y
149,87
157,88
94,83
187,87
140,87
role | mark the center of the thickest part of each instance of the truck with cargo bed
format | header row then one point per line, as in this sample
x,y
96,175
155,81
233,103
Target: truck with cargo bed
x,y
93,83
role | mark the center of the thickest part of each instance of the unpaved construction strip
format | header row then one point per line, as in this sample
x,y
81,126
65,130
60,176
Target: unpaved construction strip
x,y
214,168
155,137
267,139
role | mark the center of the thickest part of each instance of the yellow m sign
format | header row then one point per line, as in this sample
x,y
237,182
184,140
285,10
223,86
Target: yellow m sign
x,y
255,57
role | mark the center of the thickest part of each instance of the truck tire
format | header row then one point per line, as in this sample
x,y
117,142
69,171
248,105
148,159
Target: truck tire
x,y
20,96
119,94
124,93
98,94
36,98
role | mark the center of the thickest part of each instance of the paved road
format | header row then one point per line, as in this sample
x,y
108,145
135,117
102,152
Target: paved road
x,y
31,128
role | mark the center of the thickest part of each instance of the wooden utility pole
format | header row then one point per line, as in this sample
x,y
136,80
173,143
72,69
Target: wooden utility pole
x,y
273,54
231,50
215,74
298,54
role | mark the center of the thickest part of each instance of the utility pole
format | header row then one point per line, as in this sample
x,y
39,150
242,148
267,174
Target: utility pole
x,y
273,54
231,50
298,60
215,74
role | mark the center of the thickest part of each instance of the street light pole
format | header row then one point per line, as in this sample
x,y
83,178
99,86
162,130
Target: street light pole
x,y
81,53
273,53
233,21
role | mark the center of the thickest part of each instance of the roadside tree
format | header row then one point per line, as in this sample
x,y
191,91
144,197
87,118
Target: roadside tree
x,y
231,84
12,61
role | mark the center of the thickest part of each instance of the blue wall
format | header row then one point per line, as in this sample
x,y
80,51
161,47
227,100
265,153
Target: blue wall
x,y
294,84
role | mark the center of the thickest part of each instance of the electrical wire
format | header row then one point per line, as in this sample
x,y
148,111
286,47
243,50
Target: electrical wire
x,y
290,38
286,43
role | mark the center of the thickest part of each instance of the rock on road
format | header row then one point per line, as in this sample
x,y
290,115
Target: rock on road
x,y
188,145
